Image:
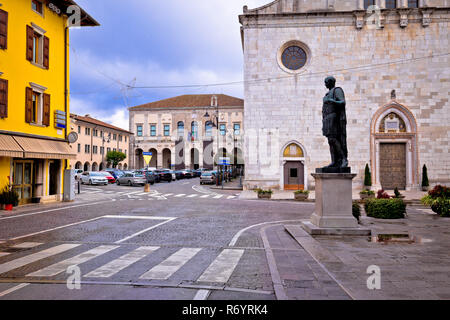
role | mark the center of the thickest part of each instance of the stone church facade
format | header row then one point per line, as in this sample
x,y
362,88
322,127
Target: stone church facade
x,y
392,61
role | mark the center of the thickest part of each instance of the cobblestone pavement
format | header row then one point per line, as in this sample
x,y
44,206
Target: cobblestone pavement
x,y
185,241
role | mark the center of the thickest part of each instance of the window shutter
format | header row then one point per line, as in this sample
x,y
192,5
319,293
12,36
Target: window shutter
x,y
28,105
46,52
3,29
3,98
46,115
30,35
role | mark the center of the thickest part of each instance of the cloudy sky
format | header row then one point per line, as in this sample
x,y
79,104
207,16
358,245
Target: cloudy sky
x,y
154,43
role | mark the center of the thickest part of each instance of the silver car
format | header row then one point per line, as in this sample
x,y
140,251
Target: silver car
x,y
90,177
132,178
208,177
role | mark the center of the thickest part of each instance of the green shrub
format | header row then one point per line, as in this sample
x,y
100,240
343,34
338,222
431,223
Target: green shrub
x,y
385,208
425,182
356,210
261,191
368,192
8,196
439,200
302,192
367,176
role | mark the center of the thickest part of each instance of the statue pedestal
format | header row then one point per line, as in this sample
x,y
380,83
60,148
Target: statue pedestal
x,y
333,213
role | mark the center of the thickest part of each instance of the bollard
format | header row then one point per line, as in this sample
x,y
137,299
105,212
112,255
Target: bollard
x,y
147,187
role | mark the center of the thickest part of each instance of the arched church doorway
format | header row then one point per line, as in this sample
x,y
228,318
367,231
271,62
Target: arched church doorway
x,y
293,167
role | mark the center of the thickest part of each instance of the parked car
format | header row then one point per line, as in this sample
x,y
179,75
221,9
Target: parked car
x,y
174,176
91,177
187,174
77,173
208,177
164,175
108,176
149,175
132,178
114,172
179,174
197,173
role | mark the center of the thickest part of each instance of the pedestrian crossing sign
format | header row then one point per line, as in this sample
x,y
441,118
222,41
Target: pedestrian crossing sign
x,y
147,157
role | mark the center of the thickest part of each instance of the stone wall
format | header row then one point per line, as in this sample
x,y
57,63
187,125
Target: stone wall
x,y
291,105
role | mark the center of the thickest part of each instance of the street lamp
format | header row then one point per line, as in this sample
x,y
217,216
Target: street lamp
x,y
103,146
215,124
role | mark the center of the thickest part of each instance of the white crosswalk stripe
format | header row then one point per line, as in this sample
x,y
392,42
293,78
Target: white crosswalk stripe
x,y
115,266
192,196
26,245
180,195
20,262
205,196
231,197
218,196
222,268
78,259
167,194
171,265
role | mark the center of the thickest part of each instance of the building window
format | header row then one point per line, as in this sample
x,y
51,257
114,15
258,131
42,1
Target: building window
x,y
139,130
87,131
413,3
208,128
79,148
114,149
368,3
153,130
294,58
120,150
101,134
37,108
167,130
87,148
223,129
125,139
391,4
108,150
114,137
125,151
95,132
94,149
37,6
3,29
180,129
102,150
79,129
120,138
37,46
237,129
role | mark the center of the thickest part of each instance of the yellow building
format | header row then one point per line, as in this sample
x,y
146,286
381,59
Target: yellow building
x,y
34,95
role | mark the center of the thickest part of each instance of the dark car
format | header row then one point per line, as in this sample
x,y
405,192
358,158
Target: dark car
x,y
149,175
197,173
179,174
114,172
164,175
187,174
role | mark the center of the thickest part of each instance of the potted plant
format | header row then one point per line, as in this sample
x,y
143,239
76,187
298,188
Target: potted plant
x,y
367,178
425,182
264,194
301,195
367,194
9,198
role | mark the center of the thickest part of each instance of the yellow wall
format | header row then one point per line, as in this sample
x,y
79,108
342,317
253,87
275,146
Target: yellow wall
x,y
20,72
5,171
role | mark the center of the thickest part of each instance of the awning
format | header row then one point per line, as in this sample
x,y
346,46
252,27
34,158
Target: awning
x,y
45,149
9,147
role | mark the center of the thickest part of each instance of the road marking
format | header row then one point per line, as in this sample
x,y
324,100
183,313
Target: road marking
x,y
231,197
11,290
237,235
74,261
145,230
180,195
20,262
221,269
192,196
26,245
171,265
113,267
137,217
202,295
168,194
56,209
142,193
205,196
218,196
2,254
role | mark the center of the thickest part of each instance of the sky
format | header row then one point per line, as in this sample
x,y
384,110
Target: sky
x,y
154,43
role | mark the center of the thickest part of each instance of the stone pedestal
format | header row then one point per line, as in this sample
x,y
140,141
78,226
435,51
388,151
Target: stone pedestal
x,y
333,213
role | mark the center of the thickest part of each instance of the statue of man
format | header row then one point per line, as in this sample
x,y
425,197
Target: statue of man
x,y
335,124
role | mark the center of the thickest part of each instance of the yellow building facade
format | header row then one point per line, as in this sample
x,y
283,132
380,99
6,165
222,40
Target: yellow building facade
x,y
34,95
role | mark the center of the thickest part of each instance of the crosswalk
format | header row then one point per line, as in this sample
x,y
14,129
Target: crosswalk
x,y
155,195
218,268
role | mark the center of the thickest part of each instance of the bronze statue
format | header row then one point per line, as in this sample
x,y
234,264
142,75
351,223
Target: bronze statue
x,y
335,127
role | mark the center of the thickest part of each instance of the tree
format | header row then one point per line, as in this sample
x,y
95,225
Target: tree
x,y
425,182
115,157
367,177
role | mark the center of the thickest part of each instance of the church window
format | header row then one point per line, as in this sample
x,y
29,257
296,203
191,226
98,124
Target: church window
x,y
392,123
294,58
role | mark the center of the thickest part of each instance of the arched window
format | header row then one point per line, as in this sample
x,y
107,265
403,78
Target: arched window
x,y
293,151
180,128
392,123
208,128
368,3
194,130
413,3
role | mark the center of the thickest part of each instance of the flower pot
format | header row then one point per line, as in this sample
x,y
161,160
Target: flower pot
x,y
264,195
301,196
8,207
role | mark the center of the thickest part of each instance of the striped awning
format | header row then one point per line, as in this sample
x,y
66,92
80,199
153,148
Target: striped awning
x,y
9,147
45,149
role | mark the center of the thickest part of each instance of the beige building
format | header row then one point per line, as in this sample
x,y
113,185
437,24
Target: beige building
x,y
95,139
187,131
390,57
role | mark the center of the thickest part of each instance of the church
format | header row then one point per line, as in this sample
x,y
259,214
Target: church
x,y
391,58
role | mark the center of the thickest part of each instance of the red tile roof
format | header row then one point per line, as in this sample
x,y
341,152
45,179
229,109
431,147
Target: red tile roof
x,y
194,100
97,122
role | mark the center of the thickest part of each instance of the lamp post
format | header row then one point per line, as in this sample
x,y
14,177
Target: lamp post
x,y
215,105
103,146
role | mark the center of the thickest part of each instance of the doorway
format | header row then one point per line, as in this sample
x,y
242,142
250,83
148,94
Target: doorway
x,y
23,180
53,177
294,175
393,166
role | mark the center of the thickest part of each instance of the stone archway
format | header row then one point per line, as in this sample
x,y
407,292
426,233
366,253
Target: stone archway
x,y
293,167
154,161
87,166
167,158
102,166
78,165
195,158
394,158
95,166
139,159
